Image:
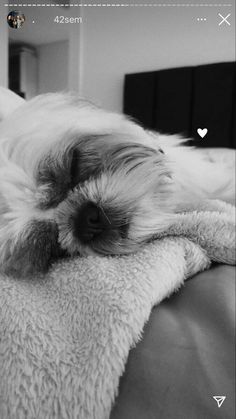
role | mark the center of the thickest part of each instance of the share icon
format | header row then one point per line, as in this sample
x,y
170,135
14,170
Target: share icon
x,y
219,400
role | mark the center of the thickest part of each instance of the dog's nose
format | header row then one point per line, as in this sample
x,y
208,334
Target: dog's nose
x,y
90,222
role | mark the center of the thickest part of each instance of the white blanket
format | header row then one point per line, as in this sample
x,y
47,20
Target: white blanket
x,y
65,337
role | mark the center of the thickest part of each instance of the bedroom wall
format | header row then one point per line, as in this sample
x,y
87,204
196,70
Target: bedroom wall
x,y
52,67
125,40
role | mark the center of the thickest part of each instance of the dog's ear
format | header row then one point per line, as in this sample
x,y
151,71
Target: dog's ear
x,y
9,101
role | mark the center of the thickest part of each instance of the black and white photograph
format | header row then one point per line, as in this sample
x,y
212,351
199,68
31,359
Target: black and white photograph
x,y
117,210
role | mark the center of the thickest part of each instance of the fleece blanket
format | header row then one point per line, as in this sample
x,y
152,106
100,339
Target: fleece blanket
x,y
65,337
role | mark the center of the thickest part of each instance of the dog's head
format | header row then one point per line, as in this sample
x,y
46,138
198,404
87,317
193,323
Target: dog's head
x,y
76,179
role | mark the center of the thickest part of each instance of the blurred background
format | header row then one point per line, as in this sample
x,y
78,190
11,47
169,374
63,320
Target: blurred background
x,y
92,53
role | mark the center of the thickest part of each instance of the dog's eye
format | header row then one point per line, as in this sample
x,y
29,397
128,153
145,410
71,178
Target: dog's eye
x,y
57,175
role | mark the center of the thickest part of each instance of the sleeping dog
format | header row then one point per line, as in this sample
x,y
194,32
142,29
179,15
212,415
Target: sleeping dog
x,y
75,179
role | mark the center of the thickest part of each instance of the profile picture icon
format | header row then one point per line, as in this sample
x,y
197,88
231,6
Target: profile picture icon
x,y
15,19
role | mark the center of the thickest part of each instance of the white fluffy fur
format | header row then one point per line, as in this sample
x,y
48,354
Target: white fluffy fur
x,y
150,195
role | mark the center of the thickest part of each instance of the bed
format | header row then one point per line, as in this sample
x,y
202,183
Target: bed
x,y
65,337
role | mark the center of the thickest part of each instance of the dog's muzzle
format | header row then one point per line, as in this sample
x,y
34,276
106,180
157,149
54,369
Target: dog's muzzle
x,y
90,223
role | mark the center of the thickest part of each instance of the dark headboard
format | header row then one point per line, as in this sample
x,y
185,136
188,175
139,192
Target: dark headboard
x,y
181,100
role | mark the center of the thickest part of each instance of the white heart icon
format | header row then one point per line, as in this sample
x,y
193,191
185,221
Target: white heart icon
x,y
202,132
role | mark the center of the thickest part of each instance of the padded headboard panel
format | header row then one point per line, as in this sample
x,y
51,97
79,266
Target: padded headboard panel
x,y
181,100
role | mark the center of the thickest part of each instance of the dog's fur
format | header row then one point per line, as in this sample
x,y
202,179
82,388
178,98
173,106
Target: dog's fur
x,y
59,154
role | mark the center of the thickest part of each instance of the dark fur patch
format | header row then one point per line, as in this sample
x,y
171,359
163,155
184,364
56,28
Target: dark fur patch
x,y
54,174
35,252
